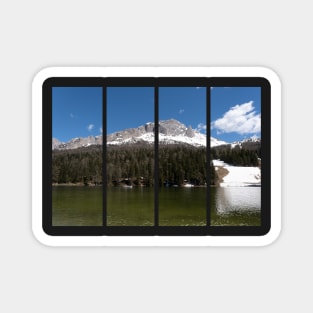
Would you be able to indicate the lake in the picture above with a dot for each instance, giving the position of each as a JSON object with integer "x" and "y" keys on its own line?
{"x": 82, "y": 206}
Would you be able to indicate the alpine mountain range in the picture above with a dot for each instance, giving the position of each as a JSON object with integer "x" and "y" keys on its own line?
{"x": 170, "y": 132}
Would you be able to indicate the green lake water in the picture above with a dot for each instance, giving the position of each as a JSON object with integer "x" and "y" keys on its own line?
{"x": 229, "y": 206}
{"x": 76, "y": 206}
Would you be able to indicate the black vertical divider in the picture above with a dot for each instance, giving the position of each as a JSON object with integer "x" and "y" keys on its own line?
{"x": 156, "y": 156}
{"x": 47, "y": 157}
{"x": 104, "y": 156}
{"x": 208, "y": 155}
{"x": 266, "y": 155}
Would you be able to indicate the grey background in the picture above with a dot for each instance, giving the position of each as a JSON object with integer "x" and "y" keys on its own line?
{"x": 37, "y": 34}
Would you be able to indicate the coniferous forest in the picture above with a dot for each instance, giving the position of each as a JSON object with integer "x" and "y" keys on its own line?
{"x": 134, "y": 164}
{"x": 82, "y": 165}
{"x": 236, "y": 156}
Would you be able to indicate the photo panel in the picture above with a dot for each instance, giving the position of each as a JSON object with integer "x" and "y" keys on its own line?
{"x": 130, "y": 156}
{"x": 235, "y": 156}
{"x": 157, "y": 156}
{"x": 76, "y": 161}
{"x": 182, "y": 156}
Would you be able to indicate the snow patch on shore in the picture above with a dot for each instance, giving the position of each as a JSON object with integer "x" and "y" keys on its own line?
{"x": 239, "y": 176}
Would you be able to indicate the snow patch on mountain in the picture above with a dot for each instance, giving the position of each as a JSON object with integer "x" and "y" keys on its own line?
{"x": 215, "y": 142}
{"x": 248, "y": 142}
{"x": 170, "y": 132}
{"x": 77, "y": 142}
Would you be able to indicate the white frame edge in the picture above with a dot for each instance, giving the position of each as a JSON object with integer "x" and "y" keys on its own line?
{"x": 266, "y": 73}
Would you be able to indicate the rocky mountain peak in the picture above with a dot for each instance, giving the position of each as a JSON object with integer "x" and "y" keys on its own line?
{"x": 170, "y": 132}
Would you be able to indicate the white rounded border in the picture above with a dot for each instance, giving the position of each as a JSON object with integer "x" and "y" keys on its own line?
{"x": 270, "y": 237}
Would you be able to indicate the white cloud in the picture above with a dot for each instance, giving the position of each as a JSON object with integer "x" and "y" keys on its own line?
{"x": 241, "y": 119}
{"x": 181, "y": 111}
{"x": 72, "y": 115}
{"x": 100, "y": 129}
{"x": 90, "y": 127}
{"x": 201, "y": 128}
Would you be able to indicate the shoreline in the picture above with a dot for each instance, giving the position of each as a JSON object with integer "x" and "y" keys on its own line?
{"x": 202, "y": 186}
{"x": 74, "y": 185}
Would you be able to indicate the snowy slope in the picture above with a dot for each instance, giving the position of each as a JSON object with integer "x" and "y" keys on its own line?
{"x": 239, "y": 176}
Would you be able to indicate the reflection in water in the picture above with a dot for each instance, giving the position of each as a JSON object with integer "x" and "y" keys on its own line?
{"x": 230, "y": 199}
{"x": 182, "y": 206}
{"x": 130, "y": 206}
{"x": 230, "y": 206}
{"x": 236, "y": 206}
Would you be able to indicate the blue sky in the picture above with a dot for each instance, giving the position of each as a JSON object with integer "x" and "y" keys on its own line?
{"x": 235, "y": 113}
{"x": 76, "y": 112}
{"x": 185, "y": 104}
{"x": 129, "y": 107}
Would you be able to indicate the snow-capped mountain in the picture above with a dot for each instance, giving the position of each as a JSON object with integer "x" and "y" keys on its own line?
{"x": 170, "y": 132}
{"x": 248, "y": 143}
{"x": 215, "y": 142}
{"x": 76, "y": 142}
{"x": 56, "y": 143}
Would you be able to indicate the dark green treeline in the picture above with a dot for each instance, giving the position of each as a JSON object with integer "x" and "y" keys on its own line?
{"x": 237, "y": 156}
{"x": 134, "y": 164}
{"x": 82, "y": 165}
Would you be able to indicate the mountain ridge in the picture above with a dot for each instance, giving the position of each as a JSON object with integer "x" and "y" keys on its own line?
{"x": 170, "y": 132}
